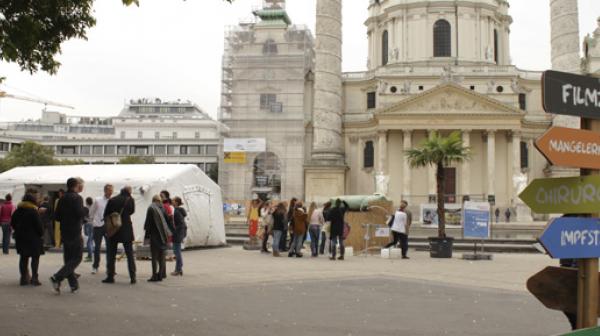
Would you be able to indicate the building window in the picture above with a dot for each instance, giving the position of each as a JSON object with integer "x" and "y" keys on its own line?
{"x": 524, "y": 155}
{"x": 384, "y": 48}
{"x": 97, "y": 150}
{"x": 270, "y": 47}
{"x": 523, "y": 101}
{"x": 121, "y": 150}
{"x": 140, "y": 134}
{"x": 442, "y": 41}
{"x": 122, "y": 134}
{"x": 368, "y": 155}
{"x": 211, "y": 150}
{"x": 156, "y": 135}
{"x": 193, "y": 150}
{"x": 86, "y": 150}
{"x": 267, "y": 100}
{"x": 174, "y": 135}
{"x": 197, "y": 135}
{"x": 172, "y": 150}
{"x": 65, "y": 150}
{"x": 139, "y": 150}
{"x": 109, "y": 150}
{"x": 183, "y": 150}
{"x": 496, "y": 46}
{"x": 371, "y": 100}
{"x": 160, "y": 150}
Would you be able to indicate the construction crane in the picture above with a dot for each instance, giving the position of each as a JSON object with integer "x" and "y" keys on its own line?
{"x": 4, "y": 94}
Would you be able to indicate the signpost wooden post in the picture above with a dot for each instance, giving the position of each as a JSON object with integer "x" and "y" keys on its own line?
{"x": 570, "y": 94}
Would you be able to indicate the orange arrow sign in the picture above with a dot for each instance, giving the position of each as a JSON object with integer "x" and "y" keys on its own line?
{"x": 569, "y": 147}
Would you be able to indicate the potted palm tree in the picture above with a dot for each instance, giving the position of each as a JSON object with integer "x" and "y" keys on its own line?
{"x": 440, "y": 152}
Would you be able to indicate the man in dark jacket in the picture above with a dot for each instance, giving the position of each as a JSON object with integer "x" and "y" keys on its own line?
{"x": 69, "y": 213}
{"x": 123, "y": 204}
{"x": 336, "y": 217}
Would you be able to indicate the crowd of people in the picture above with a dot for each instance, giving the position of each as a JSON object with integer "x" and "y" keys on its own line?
{"x": 290, "y": 224}
{"x": 34, "y": 224}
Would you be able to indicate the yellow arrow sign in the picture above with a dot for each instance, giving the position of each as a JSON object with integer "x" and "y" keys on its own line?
{"x": 576, "y": 195}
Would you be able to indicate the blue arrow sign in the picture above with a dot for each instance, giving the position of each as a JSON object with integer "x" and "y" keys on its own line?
{"x": 572, "y": 238}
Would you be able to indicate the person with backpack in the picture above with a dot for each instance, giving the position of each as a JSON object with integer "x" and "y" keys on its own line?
{"x": 336, "y": 217}
{"x": 6, "y": 211}
{"x": 120, "y": 208}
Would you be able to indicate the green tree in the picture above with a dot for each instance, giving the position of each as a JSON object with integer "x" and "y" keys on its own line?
{"x": 32, "y": 31}
{"x": 137, "y": 160}
{"x": 439, "y": 152}
{"x": 28, "y": 153}
{"x": 213, "y": 173}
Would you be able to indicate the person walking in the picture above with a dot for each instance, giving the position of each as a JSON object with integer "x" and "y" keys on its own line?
{"x": 124, "y": 205}
{"x": 6, "y": 211}
{"x": 279, "y": 223}
{"x": 398, "y": 226}
{"x": 298, "y": 228}
{"x": 97, "y": 216}
{"x": 57, "y": 235}
{"x": 29, "y": 238}
{"x": 497, "y": 214}
{"x": 157, "y": 230}
{"x": 69, "y": 212}
{"x": 336, "y": 217}
{"x": 88, "y": 229}
{"x": 316, "y": 225}
{"x": 326, "y": 229}
{"x": 179, "y": 234}
{"x": 266, "y": 218}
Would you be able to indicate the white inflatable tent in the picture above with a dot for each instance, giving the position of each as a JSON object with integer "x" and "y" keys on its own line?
{"x": 201, "y": 196}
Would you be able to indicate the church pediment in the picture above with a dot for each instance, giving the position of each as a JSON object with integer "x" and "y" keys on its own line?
{"x": 450, "y": 99}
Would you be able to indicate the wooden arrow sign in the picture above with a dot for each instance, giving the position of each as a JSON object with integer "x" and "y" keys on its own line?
{"x": 569, "y": 147}
{"x": 556, "y": 288}
{"x": 575, "y": 195}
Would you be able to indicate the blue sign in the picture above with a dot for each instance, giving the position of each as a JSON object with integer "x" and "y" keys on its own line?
{"x": 476, "y": 220}
{"x": 572, "y": 238}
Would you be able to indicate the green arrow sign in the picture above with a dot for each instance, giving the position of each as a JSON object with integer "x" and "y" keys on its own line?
{"x": 576, "y": 195}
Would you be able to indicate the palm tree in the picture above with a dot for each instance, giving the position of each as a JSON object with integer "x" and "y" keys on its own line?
{"x": 440, "y": 152}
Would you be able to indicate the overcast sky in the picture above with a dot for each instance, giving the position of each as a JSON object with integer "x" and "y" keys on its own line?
{"x": 172, "y": 49}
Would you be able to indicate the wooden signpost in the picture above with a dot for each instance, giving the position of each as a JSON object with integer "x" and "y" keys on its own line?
{"x": 570, "y": 94}
{"x": 567, "y": 147}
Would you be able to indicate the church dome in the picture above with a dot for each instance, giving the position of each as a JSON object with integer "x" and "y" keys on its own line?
{"x": 433, "y": 32}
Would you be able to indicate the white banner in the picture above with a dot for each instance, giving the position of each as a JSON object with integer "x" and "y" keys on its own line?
{"x": 244, "y": 145}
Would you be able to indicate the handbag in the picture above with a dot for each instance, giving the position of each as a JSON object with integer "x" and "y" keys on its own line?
{"x": 347, "y": 229}
{"x": 113, "y": 221}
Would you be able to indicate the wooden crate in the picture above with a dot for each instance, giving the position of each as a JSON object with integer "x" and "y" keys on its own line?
{"x": 377, "y": 214}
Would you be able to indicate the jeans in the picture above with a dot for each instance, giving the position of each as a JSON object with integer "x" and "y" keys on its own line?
{"x": 296, "y": 245}
{"x": 334, "y": 240}
{"x": 89, "y": 244}
{"x": 283, "y": 241}
{"x": 99, "y": 233}
{"x": 265, "y": 240}
{"x": 395, "y": 241}
{"x": 23, "y": 267}
{"x": 72, "y": 255}
{"x": 178, "y": 259}
{"x": 159, "y": 263}
{"x": 6, "y": 231}
{"x": 112, "y": 258}
{"x": 323, "y": 242}
{"x": 276, "y": 240}
{"x": 314, "y": 231}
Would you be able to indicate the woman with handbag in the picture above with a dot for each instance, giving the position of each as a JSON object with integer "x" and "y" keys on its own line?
{"x": 158, "y": 229}
{"x": 29, "y": 232}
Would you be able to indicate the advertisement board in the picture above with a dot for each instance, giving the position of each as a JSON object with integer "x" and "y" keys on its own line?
{"x": 476, "y": 217}
{"x": 244, "y": 145}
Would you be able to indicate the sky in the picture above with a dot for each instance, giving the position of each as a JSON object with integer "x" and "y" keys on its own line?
{"x": 172, "y": 50}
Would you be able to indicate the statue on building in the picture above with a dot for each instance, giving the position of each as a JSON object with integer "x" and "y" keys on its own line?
{"x": 382, "y": 183}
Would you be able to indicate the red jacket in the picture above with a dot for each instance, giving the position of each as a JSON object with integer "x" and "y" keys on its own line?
{"x": 6, "y": 212}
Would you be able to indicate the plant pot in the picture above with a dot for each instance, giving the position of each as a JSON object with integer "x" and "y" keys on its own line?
{"x": 440, "y": 247}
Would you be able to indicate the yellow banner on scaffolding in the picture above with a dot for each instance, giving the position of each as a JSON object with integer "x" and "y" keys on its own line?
{"x": 235, "y": 157}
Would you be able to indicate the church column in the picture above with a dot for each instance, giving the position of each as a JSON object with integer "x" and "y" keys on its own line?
{"x": 491, "y": 162}
{"x": 382, "y": 153}
{"x": 466, "y": 166}
{"x": 431, "y": 172}
{"x": 406, "y": 145}
{"x": 516, "y": 148}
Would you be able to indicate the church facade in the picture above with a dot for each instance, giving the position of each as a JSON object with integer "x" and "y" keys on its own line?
{"x": 432, "y": 66}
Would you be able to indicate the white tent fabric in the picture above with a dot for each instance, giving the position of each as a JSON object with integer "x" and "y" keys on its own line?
{"x": 201, "y": 196}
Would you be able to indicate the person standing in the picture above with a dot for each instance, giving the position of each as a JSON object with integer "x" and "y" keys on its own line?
{"x": 97, "y": 216}
{"x": 252, "y": 219}
{"x": 157, "y": 230}
{"x": 179, "y": 234}
{"x": 298, "y": 228}
{"x": 29, "y": 237}
{"x": 497, "y": 214}
{"x": 316, "y": 225}
{"x": 336, "y": 216}
{"x": 326, "y": 229}
{"x": 88, "y": 229}
{"x": 290, "y": 223}
{"x": 279, "y": 222}
{"x": 45, "y": 211}
{"x": 124, "y": 205}
{"x": 6, "y": 211}
{"x": 507, "y": 214}
{"x": 57, "y": 242}
{"x": 266, "y": 218}
{"x": 69, "y": 212}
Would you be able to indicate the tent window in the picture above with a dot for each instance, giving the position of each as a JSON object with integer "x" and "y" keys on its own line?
{"x": 384, "y": 48}
{"x": 442, "y": 42}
